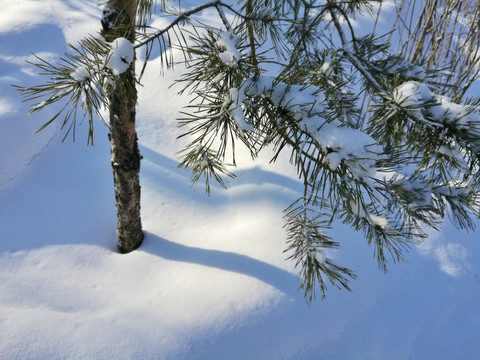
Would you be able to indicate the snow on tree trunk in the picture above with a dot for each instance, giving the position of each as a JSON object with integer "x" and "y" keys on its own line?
{"x": 118, "y": 22}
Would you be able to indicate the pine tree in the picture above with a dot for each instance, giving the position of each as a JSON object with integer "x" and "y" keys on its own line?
{"x": 375, "y": 141}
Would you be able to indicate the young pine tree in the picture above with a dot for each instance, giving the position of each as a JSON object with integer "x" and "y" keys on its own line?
{"x": 374, "y": 140}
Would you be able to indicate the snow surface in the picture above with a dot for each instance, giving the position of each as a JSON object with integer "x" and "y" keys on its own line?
{"x": 210, "y": 281}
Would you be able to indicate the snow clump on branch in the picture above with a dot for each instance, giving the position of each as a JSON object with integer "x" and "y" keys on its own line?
{"x": 80, "y": 74}
{"x": 121, "y": 56}
{"x": 307, "y": 105}
{"x": 416, "y": 95}
{"x": 406, "y": 69}
{"x": 228, "y": 52}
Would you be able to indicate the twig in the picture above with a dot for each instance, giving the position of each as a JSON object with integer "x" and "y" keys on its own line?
{"x": 179, "y": 19}
{"x": 354, "y": 60}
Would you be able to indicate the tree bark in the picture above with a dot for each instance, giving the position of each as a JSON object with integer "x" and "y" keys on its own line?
{"x": 123, "y": 136}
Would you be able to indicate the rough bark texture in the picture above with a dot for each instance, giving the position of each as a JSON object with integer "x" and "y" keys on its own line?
{"x": 123, "y": 136}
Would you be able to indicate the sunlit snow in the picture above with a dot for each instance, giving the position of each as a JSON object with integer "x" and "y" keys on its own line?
{"x": 80, "y": 74}
{"x": 121, "y": 56}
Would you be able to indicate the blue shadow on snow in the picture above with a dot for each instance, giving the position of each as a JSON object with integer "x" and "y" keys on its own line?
{"x": 280, "y": 279}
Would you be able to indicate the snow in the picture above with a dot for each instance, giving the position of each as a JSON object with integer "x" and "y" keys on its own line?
{"x": 347, "y": 144}
{"x": 326, "y": 67}
{"x": 80, "y": 74}
{"x": 211, "y": 280}
{"x": 406, "y": 69}
{"x": 307, "y": 105}
{"x": 6, "y": 106}
{"x": 412, "y": 93}
{"x": 417, "y": 96}
{"x": 121, "y": 56}
{"x": 457, "y": 156}
{"x": 449, "y": 112}
{"x": 378, "y": 221}
{"x": 238, "y": 97}
{"x": 357, "y": 209}
{"x": 320, "y": 257}
{"x": 228, "y": 52}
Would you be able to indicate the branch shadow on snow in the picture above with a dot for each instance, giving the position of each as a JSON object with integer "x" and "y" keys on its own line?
{"x": 280, "y": 279}
{"x": 252, "y": 176}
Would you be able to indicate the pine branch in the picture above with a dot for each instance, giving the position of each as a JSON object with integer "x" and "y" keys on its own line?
{"x": 79, "y": 79}
{"x": 184, "y": 16}
{"x": 356, "y": 62}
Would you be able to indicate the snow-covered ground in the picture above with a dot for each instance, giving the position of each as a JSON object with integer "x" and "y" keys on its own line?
{"x": 211, "y": 280}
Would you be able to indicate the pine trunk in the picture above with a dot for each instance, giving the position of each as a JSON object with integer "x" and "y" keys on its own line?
{"x": 123, "y": 135}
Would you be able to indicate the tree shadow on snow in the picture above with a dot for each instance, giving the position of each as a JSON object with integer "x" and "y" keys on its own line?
{"x": 280, "y": 279}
